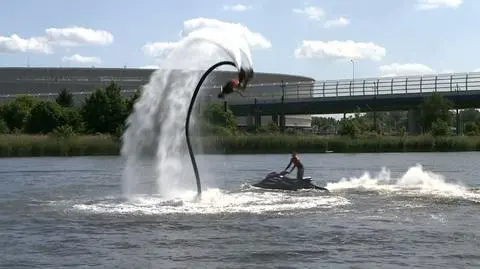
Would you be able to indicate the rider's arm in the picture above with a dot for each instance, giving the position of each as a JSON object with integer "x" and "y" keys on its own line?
{"x": 290, "y": 163}
{"x": 293, "y": 167}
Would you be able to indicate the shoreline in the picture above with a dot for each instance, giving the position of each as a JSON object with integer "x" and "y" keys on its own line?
{"x": 22, "y": 145}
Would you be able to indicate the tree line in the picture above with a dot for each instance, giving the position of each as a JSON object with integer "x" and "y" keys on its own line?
{"x": 435, "y": 116}
{"x": 105, "y": 111}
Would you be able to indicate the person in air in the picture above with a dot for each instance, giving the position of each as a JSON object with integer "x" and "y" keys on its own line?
{"x": 295, "y": 160}
{"x": 236, "y": 85}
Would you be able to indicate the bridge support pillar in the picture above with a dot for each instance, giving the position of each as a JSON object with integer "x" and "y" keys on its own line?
{"x": 249, "y": 121}
{"x": 258, "y": 119}
{"x": 282, "y": 123}
{"x": 275, "y": 119}
{"x": 412, "y": 126}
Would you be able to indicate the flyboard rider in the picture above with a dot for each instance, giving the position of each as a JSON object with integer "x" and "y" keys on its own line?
{"x": 236, "y": 85}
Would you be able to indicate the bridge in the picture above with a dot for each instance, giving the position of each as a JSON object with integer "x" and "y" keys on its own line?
{"x": 362, "y": 95}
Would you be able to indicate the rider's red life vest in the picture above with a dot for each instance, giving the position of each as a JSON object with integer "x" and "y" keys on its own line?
{"x": 235, "y": 83}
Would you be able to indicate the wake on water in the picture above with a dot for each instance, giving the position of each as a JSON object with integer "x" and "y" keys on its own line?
{"x": 415, "y": 182}
{"x": 164, "y": 184}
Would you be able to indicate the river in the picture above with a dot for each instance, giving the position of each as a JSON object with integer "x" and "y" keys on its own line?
{"x": 69, "y": 213}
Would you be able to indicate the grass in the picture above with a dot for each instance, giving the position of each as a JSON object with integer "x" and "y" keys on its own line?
{"x": 90, "y": 145}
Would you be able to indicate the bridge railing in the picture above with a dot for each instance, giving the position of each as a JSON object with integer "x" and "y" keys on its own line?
{"x": 298, "y": 91}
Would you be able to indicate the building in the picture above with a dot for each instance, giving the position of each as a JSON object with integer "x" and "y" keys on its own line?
{"x": 46, "y": 82}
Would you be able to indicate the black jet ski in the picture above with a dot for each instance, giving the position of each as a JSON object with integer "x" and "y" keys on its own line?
{"x": 280, "y": 181}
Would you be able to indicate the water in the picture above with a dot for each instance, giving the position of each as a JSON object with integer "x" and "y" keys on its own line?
{"x": 70, "y": 213}
{"x": 157, "y": 124}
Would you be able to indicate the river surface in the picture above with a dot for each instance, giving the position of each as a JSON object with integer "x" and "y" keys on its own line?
{"x": 70, "y": 213}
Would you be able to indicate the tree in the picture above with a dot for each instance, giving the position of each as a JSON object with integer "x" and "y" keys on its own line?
{"x": 440, "y": 128}
{"x": 65, "y": 98}
{"x": 105, "y": 110}
{"x": 471, "y": 128}
{"x": 44, "y": 117}
{"x": 73, "y": 118}
{"x": 469, "y": 115}
{"x": 433, "y": 110}
{"x": 16, "y": 112}
{"x": 215, "y": 114}
{"x": 131, "y": 101}
{"x": 349, "y": 127}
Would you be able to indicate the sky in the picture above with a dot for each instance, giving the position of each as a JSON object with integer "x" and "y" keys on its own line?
{"x": 317, "y": 39}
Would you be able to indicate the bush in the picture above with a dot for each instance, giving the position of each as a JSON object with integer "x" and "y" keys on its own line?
{"x": 44, "y": 117}
{"x": 16, "y": 112}
{"x": 104, "y": 110}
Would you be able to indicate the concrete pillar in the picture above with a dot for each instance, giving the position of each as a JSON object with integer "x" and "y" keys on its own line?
{"x": 249, "y": 120}
{"x": 282, "y": 123}
{"x": 412, "y": 122}
{"x": 258, "y": 119}
{"x": 275, "y": 119}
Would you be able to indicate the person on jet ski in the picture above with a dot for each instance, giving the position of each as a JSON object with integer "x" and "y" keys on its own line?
{"x": 295, "y": 160}
{"x": 237, "y": 85}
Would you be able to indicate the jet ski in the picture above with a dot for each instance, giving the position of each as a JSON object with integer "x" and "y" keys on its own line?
{"x": 280, "y": 181}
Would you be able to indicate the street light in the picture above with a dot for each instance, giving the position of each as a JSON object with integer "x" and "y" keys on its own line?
{"x": 353, "y": 68}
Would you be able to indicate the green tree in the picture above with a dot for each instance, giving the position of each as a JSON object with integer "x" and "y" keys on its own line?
{"x": 16, "y": 112}
{"x": 132, "y": 99}
{"x": 434, "y": 109}
{"x": 64, "y": 98}
{"x": 440, "y": 128}
{"x": 73, "y": 118}
{"x": 469, "y": 115}
{"x": 105, "y": 110}
{"x": 3, "y": 127}
{"x": 349, "y": 127}
{"x": 215, "y": 114}
{"x": 45, "y": 116}
{"x": 471, "y": 128}
{"x": 325, "y": 124}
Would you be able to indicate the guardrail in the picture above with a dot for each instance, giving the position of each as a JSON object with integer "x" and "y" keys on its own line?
{"x": 292, "y": 91}
{"x": 366, "y": 87}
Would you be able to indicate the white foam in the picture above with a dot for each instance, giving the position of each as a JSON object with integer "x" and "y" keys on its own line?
{"x": 415, "y": 181}
{"x": 158, "y": 121}
{"x": 215, "y": 201}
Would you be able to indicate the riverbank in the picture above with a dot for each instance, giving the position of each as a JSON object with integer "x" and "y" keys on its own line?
{"x": 97, "y": 145}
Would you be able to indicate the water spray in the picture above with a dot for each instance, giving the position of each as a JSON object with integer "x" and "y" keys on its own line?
{"x": 243, "y": 81}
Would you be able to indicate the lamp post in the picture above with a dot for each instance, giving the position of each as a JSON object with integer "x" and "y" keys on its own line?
{"x": 353, "y": 69}
{"x": 187, "y": 123}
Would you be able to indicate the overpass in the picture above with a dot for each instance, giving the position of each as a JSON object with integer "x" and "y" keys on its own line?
{"x": 363, "y": 95}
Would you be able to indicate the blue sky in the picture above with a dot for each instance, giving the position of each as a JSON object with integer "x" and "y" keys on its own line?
{"x": 399, "y": 37}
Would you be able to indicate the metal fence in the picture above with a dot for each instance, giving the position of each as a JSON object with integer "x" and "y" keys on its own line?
{"x": 366, "y": 87}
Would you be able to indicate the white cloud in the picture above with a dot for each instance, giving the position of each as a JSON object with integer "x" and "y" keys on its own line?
{"x": 313, "y": 13}
{"x": 158, "y": 49}
{"x": 15, "y": 43}
{"x": 254, "y": 39}
{"x": 82, "y": 59}
{"x": 340, "y": 50}
{"x": 161, "y": 49}
{"x": 340, "y": 22}
{"x": 433, "y": 4}
{"x": 76, "y": 36}
{"x": 237, "y": 7}
{"x": 69, "y": 37}
{"x": 409, "y": 69}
